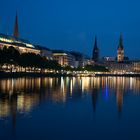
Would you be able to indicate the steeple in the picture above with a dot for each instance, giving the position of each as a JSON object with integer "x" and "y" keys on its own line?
{"x": 121, "y": 42}
{"x": 95, "y": 44}
{"x": 16, "y": 33}
{"x": 120, "y": 50}
{"x": 95, "y": 55}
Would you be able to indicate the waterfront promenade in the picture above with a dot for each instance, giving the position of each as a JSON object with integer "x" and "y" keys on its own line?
{"x": 65, "y": 74}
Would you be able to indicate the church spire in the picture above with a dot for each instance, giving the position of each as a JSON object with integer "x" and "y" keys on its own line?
{"x": 121, "y": 42}
{"x": 95, "y": 55}
{"x": 95, "y": 44}
{"x": 16, "y": 33}
{"x": 120, "y": 50}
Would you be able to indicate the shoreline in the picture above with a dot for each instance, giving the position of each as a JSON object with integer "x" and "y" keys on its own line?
{"x": 23, "y": 74}
{"x": 29, "y": 74}
{"x": 117, "y": 75}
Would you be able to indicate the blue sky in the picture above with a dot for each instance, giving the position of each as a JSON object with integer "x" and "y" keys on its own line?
{"x": 73, "y": 24}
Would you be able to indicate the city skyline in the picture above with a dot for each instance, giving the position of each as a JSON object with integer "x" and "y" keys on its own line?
{"x": 50, "y": 26}
{"x": 69, "y": 69}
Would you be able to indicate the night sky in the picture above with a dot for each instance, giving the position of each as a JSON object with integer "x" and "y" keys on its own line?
{"x": 73, "y": 24}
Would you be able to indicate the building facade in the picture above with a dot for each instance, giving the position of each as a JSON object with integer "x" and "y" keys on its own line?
{"x": 64, "y": 58}
{"x": 120, "y": 50}
{"x": 119, "y": 68}
{"x": 108, "y": 59}
{"x": 79, "y": 59}
{"x": 23, "y": 46}
{"x": 136, "y": 66}
{"x": 45, "y": 52}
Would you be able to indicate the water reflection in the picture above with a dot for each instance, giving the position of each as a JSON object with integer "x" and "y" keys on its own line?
{"x": 23, "y": 94}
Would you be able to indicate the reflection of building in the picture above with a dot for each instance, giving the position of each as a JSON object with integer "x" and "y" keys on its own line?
{"x": 94, "y": 98}
{"x": 119, "y": 100}
{"x": 120, "y": 51}
{"x": 23, "y": 94}
{"x": 120, "y": 87}
{"x": 64, "y": 58}
{"x": 4, "y": 108}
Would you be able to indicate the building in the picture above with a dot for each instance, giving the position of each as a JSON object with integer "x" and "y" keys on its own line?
{"x": 95, "y": 54}
{"x": 16, "y": 32}
{"x": 120, "y": 50}
{"x": 64, "y": 58}
{"x": 45, "y": 52}
{"x": 23, "y": 46}
{"x": 119, "y": 68}
{"x": 136, "y": 66}
{"x": 108, "y": 59}
{"x": 79, "y": 59}
{"x": 87, "y": 61}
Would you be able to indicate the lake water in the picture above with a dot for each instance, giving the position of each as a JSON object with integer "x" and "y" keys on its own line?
{"x": 86, "y": 108}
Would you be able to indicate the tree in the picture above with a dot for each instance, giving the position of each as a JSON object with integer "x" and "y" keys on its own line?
{"x": 10, "y": 55}
{"x": 1, "y": 58}
{"x": 96, "y": 68}
{"x": 32, "y": 61}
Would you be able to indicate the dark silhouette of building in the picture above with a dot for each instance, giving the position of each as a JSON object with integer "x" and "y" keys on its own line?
{"x": 95, "y": 55}
{"x": 120, "y": 50}
{"x": 16, "y": 32}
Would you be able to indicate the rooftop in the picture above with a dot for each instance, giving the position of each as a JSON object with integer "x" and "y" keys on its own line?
{"x": 15, "y": 41}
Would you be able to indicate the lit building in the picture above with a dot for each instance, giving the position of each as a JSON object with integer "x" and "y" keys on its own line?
{"x": 95, "y": 55}
{"x": 64, "y": 58}
{"x": 120, "y": 50}
{"x": 87, "y": 61}
{"x": 136, "y": 66}
{"x": 23, "y": 46}
{"x": 119, "y": 68}
{"x": 79, "y": 59}
{"x": 45, "y": 52}
{"x": 108, "y": 59}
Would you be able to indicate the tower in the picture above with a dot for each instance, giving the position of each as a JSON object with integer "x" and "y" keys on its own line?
{"x": 16, "y": 33}
{"x": 95, "y": 54}
{"x": 120, "y": 50}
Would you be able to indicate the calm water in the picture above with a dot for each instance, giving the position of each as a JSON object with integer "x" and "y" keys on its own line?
{"x": 70, "y": 108}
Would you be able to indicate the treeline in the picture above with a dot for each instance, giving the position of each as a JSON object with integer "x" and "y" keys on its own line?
{"x": 10, "y": 57}
{"x": 11, "y": 60}
{"x": 91, "y": 68}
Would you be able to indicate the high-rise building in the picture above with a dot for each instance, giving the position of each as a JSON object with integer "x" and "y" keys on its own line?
{"x": 16, "y": 32}
{"x": 120, "y": 50}
{"x": 95, "y": 54}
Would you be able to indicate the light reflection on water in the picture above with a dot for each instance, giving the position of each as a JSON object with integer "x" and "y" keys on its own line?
{"x": 22, "y": 95}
